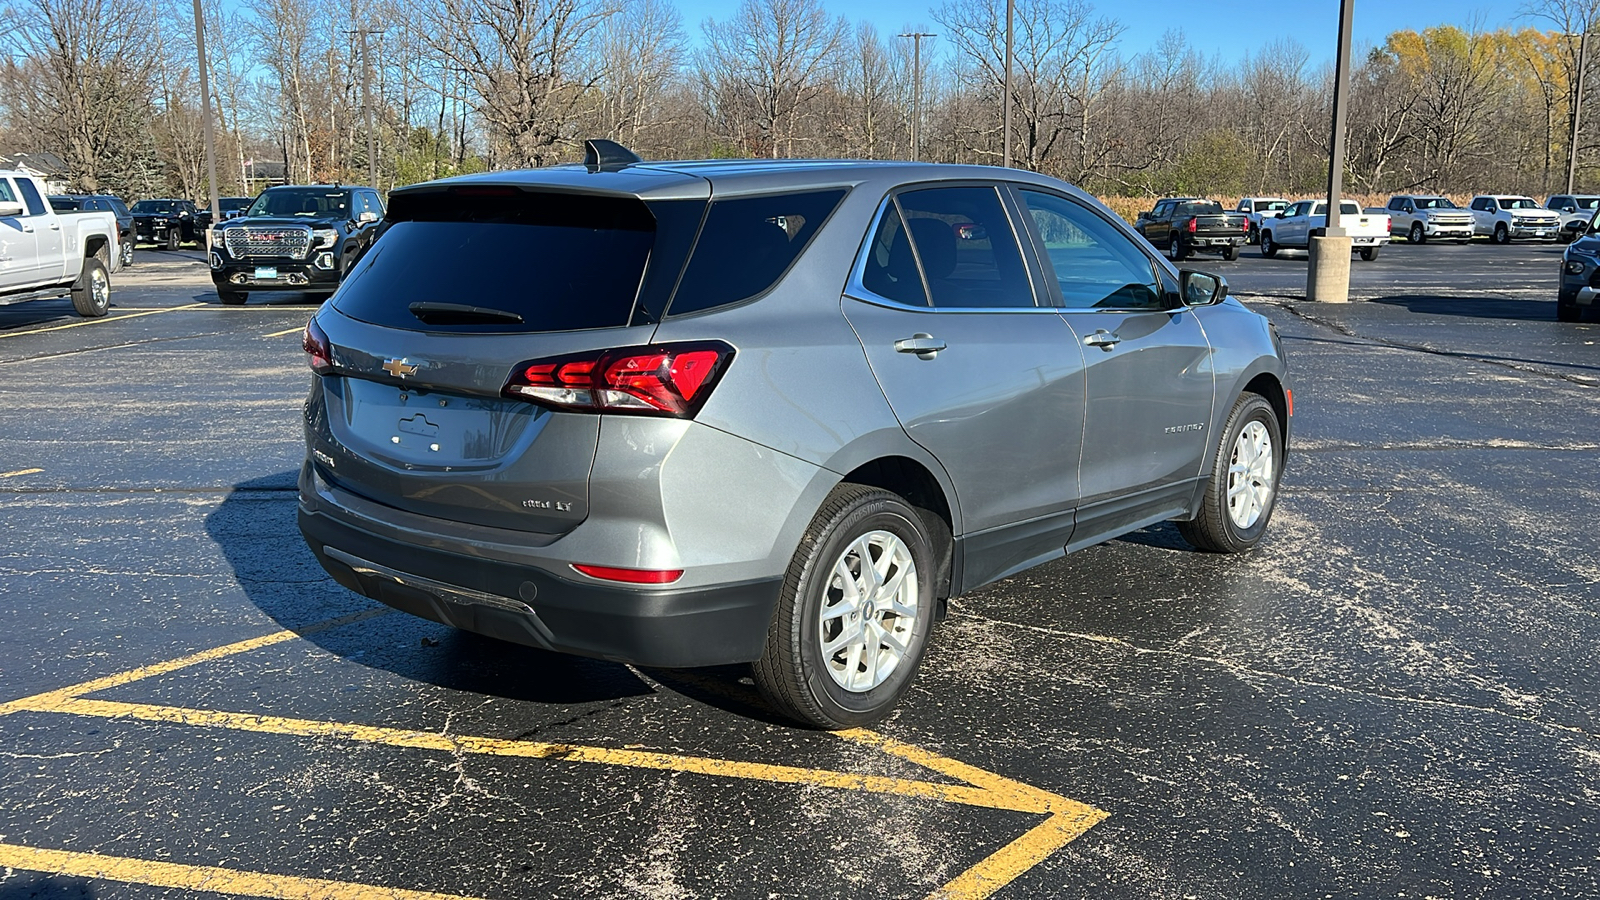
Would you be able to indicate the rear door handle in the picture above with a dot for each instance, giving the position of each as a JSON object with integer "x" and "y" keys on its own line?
{"x": 922, "y": 344}
{"x": 55, "y": 226}
{"x": 1103, "y": 339}
{"x": 27, "y": 229}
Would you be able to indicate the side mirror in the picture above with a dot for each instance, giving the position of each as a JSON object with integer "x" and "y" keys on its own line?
{"x": 1408, "y": 208}
{"x": 1201, "y": 288}
{"x": 8, "y": 210}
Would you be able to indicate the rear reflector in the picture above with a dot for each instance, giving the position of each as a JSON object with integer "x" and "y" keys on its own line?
{"x": 666, "y": 380}
{"x": 630, "y": 576}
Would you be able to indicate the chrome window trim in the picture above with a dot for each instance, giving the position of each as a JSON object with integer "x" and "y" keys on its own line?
{"x": 855, "y": 288}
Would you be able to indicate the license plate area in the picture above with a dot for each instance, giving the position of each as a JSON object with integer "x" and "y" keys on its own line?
{"x": 266, "y": 273}
{"x": 417, "y": 428}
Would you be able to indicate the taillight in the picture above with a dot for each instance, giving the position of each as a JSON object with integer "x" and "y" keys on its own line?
{"x": 1245, "y": 225}
{"x": 1193, "y": 223}
{"x": 319, "y": 353}
{"x": 668, "y": 380}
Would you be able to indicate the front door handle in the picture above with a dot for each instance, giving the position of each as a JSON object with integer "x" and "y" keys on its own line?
{"x": 924, "y": 345}
{"x": 27, "y": 229}
{"x": 55, "y": 226}
{"x": 1103, "y": 339}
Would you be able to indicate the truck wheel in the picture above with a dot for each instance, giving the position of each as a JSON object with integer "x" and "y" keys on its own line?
{"x": 1175, "y": 249}
{"x": 1230, "y": 252}
{"x": 232, "y": 298}
{"x": 1253, "y": 236}
{"x": 173, "y": 238}
{"x": 1243, "y": 489}
{"x": 127, "y": 253}
{"x": 1567, "y": 312}
{"x": 855, "y": 612}
{"x": 1501, "y": 235}
{"x": 1268, "y": 248}
{"x": 91, "y": 293}
{"x": 1368, "y": 254}
{"x": 1418, "y": 236}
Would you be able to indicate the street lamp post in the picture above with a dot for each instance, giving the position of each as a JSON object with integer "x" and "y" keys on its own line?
{"x": 205, "y": 111}
{"x": 1328, "y": 271}
{"x": 1577, "y": 107}
{"x": 916, "y": 89}
{"x": 1011, "y": 9}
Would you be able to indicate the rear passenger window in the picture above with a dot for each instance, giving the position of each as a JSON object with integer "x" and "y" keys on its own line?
{"x": 30, "y": 194}
{"x": 890, "y": 269}
{"x": 966, "y": 247}
{"x": 747, "y": 244}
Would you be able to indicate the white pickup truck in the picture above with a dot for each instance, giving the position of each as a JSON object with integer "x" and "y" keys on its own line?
{"x": 1257, "y": 208}
{"x": 1424, "y": 217}
{"x": 46, "y": 255}
{"x": 1292, "y": 230}
{"x": 1505, "y": 216}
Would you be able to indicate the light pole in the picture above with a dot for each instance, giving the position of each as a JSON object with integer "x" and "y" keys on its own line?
{"x": 916, "y": 89}
{"x": 1577, "y": 107}
{"x": 205, "y": 111}
{"x": 1328, "y": 269}
{"x": 366, "y": 104}
{"x": 1011, "y": 9}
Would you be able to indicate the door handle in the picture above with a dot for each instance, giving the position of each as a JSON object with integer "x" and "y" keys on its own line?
{"x": 55, "y": 226}
{"x": 924, "y": 345}
{"x": 27, "y": 229}
{"x": 1103, "y": 339}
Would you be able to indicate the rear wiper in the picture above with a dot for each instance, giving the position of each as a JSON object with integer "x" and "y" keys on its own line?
{"x": 459, "y": 313}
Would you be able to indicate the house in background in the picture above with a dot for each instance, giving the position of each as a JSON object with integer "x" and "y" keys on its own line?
{"x": 47, "y": 167}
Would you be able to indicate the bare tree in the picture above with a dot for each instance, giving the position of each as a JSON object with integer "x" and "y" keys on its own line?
{"x": 643, "y": 49}
{"x": 766, "y": 65}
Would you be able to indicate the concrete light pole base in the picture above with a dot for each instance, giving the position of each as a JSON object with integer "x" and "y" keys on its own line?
{"x": 1328, "y": 276}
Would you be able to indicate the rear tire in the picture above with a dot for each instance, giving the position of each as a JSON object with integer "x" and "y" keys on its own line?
{"x": 91, "y": 293}
{"x": 1230, "y": 253}
{"x": 1368, "y": 254}
{"x": 1243, "y": 489}
{"x": 1175, "y": 249}
{"x": 1418, "y": 236}
{"x": 1268, "y": 248}
{"x": 233, "y": 298}
{"x": 840, "y": 651}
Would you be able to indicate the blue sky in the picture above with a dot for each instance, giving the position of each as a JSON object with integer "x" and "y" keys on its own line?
{"x": 1224, "y": 30}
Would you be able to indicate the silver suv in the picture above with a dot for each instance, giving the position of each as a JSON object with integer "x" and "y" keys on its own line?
{"x": 696, "y": 413}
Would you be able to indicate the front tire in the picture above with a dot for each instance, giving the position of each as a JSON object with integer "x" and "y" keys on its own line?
{"x": 1568, "y": 312}
{"x": 173, "y": 239}
{"x": 127, "y": 254}
{"x": 91, "y": 293}
{"x": 232, "y": 298}
{"x": 1243, "y": 489}
{"x": 1418, "y": 236}
{"x": 1501, "y": 235}
{"x": 854, "y": 616}
{"x": 1253, "y": 236}
{"x": 1268, "y": 248}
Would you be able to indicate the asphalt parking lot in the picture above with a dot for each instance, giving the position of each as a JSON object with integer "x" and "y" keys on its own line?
{"x": 1395, "y": 696}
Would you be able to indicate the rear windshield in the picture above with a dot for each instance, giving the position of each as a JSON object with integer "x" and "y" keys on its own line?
{"x": 560, "y": 262}
{"x": 1200, "y": 209}
{"x": 155, "y": 206}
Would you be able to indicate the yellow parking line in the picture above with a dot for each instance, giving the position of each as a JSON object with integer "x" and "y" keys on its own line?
{"x": 20, "y": 472}
{"x": 1067, "y": 819}
{"x": 295, "y": 330}
{"x": 103, "y": 319}
{"x": 47, "y": 701}
{"x": 210, "y": 879}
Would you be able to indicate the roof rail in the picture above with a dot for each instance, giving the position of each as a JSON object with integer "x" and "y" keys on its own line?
{"x": 601, "y": 155}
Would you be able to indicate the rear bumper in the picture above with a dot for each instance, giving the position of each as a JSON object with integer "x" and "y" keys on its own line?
{"x": 525, "y": 604}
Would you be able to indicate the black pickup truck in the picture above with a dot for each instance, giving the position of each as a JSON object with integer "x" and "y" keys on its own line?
{"x": 294, "y": 238}
{"x": 1186, "y": 225}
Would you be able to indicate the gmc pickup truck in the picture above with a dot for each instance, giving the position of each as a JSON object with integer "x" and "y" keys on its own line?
{"x": 1186, "y": 225}
{"x": 1293, "y": 229}
{"x": 1257, "y": 208}
{"x": 1425, "y": 217}
{"x": 45, "y": 255}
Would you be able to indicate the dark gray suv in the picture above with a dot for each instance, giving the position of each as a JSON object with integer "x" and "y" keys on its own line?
{"x": 696, "y": 413}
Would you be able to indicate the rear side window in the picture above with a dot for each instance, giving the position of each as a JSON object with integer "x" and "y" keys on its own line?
{"x": 36, "y": 206}
{"x": 966, "y": 247}
{"x": 747, "y": 244}
{"x": 559, "y": 262}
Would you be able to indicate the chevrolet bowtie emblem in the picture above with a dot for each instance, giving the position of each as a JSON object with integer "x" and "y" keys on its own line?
{"x": 398, "y": 368}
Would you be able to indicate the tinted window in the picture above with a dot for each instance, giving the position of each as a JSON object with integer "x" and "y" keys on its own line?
{"x": 1199, "y": 209}
{"x": 65, "y": 204}
{"x": 1095, "y": 264}
{"x": 747, "y": 244}
{"x": 966, "y": 247}
{"x": 890, "y": 269}
{"x": 581, "y": 260}
{"x": 36, "y": 205}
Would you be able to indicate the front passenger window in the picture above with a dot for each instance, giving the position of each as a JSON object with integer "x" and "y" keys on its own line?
{"x": 1096, "y": 266}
